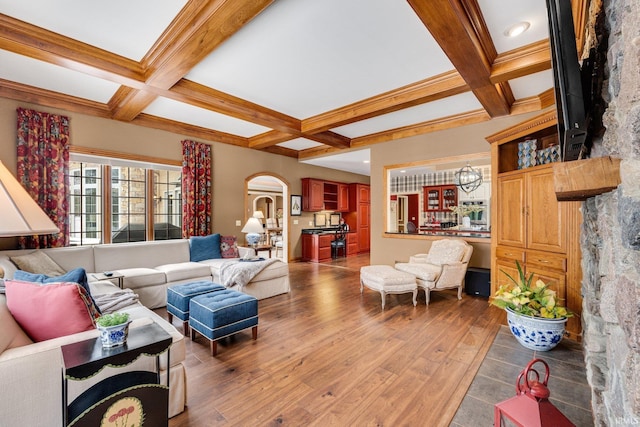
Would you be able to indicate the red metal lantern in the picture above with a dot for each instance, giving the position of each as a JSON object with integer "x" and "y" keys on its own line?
{"x": 531, "y": 407}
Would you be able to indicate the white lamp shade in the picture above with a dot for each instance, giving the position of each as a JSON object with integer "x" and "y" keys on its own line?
{"x": 253, "y": 225}
{"x": 258, "y": 214}
{"x": 20, "y": 215}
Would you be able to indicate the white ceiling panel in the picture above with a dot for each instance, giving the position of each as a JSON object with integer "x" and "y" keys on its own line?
{"x": 299, "y": 144}
{"x": 304, "y": 57}
{"x": 178, "y": 111}
{"x": 126, "y": 27}
{"x": 350, "y": 161}
{"x": 531, "y": 85}
{"x": 43, "y": 75}
{"x": 410, "y": 116}
{"x": 498, "y": 20}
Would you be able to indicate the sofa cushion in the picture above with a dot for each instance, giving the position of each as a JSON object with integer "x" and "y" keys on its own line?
{"x": 38, "y": 262}
{"x": 51, "y": 311}
{"x": 184, "y": 271}
{"x": 12, "y": 334}
{"x": 272, "y": 271}
{"x": 204, "y": 247}
{"x": 426, "y": 272}
{"x": 142, "y": 277}
{"x": 229, "y": 247}
{"x": 77, "y": 275}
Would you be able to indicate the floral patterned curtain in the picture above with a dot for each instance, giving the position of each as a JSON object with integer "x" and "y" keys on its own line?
{"x": 196, "y": 189}
{"x": 43, "y": 164}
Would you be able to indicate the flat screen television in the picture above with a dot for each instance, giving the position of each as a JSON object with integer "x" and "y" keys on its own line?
{"x": 572, "y": 118}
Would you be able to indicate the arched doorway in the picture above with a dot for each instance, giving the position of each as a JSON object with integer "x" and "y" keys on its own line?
{"x": 269, "y": 193}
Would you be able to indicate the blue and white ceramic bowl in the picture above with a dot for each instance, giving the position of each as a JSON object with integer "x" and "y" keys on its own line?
{"x": 536, "y": 333}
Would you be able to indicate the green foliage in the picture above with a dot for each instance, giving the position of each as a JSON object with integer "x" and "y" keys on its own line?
{"x": 112, "y": 319}
{"x": 523, "y": 298}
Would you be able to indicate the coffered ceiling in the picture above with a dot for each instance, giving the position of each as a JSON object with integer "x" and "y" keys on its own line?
{"x": 319, "y": 81}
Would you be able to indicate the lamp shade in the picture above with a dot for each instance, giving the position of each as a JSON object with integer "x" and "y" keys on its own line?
{"x": 253, "y": 225}
{"x": 20, "y": 215}
{"x": 258, "y": 214}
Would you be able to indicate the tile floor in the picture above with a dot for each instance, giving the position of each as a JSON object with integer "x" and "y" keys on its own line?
{"x": 496, "y": 379}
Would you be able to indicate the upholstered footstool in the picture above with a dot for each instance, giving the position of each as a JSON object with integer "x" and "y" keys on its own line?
{"x": 222, "y": 313}
{"x": 387, "y": 280}
{"x": 179, "y": 296}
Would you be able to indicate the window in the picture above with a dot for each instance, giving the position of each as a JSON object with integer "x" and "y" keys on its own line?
{"x": 85, "y": 213}
{"x": 127, "y": 194}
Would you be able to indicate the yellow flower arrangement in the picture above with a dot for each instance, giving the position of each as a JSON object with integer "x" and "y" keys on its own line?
{"x": 523, "y": 298}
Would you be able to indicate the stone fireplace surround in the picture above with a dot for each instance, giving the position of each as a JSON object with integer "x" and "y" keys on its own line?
{"x": 610, "y": 240}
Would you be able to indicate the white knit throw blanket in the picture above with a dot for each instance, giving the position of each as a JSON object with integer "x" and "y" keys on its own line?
{"x": 108, "y": 303}
{"x": 239, "y": 273}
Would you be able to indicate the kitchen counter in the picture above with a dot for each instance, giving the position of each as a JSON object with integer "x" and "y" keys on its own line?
{"x": 322, "y": 231}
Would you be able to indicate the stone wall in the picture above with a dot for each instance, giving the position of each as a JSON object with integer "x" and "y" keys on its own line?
{"x": 611, "y": 235}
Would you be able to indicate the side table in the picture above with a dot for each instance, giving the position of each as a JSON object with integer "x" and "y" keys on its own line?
{"x": 137, "y": 394}
{"x": 114, "y": 276}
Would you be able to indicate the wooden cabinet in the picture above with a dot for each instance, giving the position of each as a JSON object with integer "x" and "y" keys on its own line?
{"x": 439, "y": 198}
{"x": 319, "y": 195}
{"x": 343, "y": 197}
{"x": 530, "y": 225}
{"x": 312, "y": 194}
{"x": 317, "y": 247}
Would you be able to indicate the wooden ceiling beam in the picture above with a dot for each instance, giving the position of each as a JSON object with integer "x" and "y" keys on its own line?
{"x": 25, "y": 39}
{"x": 34, "y": 95}
{"x": 521, "y": 62}
{"x": 463, "y": 37}
{"x": 431, "y": 89}
{"x": 198, "y": 30}
{"x": 189, "y": 130}
{"x": 271, "y": 138}
{"x": 471, "y": 117}
{"x": 204, "y": 97}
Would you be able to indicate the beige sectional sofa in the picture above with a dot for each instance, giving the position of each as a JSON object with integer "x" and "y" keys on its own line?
{"x": 31, "y": 375}
{"x": 33, "y": 371}
{"x": 149, "y": 268}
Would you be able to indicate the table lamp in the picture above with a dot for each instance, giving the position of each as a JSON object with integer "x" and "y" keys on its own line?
{"x": 254, "y": 231}
{"x": 20, "y": 215}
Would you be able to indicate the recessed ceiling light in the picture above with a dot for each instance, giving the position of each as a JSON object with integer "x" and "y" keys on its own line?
{"x": 403, "y": 171}
{"x": 517, "y": 29}
{"x": 365, "y": 161}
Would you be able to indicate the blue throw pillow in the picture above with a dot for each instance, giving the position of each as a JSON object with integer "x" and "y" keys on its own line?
{"x": 204, "y": 247}
{"x": 77, "y": 275}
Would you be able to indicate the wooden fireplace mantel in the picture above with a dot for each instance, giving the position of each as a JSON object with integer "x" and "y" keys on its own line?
{"x": 580, "y": 179}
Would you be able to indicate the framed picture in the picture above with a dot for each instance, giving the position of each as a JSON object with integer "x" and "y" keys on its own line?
{"x": 296, "y": 205}
{"x": 319, "y": 220}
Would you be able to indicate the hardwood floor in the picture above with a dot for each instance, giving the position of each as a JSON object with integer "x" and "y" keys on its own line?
{"x": 328, "y": 356}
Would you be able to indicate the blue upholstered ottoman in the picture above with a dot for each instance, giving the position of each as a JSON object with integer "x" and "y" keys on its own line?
{"x": 222, "y": 313}
{"x": 178, "y": 297}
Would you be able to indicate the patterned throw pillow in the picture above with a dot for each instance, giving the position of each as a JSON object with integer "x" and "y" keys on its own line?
{"x": 52, "y": 311}
{"x": 229, "y": 247}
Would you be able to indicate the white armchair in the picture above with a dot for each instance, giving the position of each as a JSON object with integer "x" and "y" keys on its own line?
{"x": 444, "y": 267}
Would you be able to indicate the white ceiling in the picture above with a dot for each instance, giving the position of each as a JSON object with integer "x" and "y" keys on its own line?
{"x": 300, "y": 58}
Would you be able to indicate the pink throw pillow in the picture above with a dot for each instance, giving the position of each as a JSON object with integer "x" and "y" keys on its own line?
{"x": 50, "y": 311}
{"x": 229, "y": 247}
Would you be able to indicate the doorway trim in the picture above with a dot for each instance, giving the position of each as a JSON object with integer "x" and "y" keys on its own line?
{"x": 286, "y": 217}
